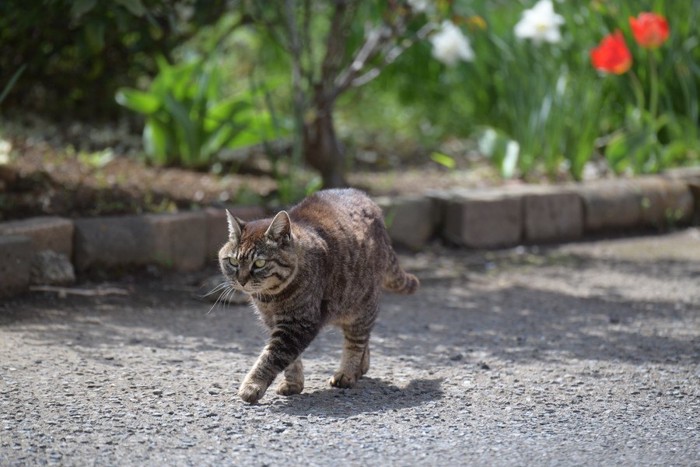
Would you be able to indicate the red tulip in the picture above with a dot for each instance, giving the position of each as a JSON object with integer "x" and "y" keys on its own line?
{"x": 650, "y": 30}
{"x": 612, "y": 55}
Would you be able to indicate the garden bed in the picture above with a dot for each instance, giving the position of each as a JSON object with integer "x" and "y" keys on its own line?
{"x": 45, "y": 179}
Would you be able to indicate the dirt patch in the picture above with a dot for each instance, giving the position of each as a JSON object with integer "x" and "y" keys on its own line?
{"x": 41, "y": 180}
{"x": 47, "y": 176}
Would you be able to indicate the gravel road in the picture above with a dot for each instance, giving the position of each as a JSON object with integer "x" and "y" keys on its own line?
{"x": 577, "y": 354}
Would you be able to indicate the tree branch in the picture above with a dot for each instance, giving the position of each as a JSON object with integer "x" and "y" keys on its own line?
{"x": 374, "y": 42}
{"x": 336, "y": 42}
{"x": 390, "y": 52}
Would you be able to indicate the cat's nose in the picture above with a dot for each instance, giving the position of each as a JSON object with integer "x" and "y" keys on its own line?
{"x": 243, "y": 279}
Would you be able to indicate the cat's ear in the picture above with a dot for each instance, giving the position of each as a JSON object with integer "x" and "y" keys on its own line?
{"x": 280, "y": 229}
{"x": 235, "y": 226}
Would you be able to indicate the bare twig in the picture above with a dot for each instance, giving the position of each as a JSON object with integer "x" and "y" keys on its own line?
{"x": 375, "y": 40}
{"x": 382, "y": 42}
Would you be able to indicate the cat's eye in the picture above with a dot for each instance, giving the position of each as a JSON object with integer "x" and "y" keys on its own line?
{"x": 259, "y": 263}
{"x": 233, "y": 261}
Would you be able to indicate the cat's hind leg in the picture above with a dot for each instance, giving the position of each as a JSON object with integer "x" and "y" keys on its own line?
{"x": 293, "y": 382}
{"x": 354, "y": 361}
{"x": 364, "y": 364}
{"x": 355, "y": 358}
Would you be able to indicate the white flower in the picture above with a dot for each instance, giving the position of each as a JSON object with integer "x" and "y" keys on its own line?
{"x": 5, "y": 148}
{"x": 540, "y": 23}
{"x": 420, "y": 6}
{"x": 450, "y": 45}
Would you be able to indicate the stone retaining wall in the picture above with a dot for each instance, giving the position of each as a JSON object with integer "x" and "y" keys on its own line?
{"x": 481, "y": 219}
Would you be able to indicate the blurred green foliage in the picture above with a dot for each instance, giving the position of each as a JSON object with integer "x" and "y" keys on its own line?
{"x": 533, "y": 109}
{"x": 78, "y": 52}
{"x": 547, "y": 98}
{"x": 10, "y": 84}
{"x": 188, "y": 121}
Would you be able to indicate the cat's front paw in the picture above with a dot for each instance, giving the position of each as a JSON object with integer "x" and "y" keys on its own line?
{"x": 341, "y": 380}
{"x": 251, "y": 392}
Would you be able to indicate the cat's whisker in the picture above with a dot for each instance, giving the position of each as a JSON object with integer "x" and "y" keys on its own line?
{"x": 219, "y": 287}
{"x": 215, "y": 303}
{"x": 222, "y": 299}
{"x": 229, "y": 296}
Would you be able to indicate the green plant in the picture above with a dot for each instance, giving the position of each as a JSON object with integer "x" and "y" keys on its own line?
{"x": 188, "y": 121}
{"x": 10, "y": 84}
{"x": 78, "y": 52}
{"x": 654, "y": 134}
{"x": 545, "y": 99}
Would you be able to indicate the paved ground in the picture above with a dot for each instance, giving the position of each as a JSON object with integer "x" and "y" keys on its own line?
{"x": 579, "y": 354}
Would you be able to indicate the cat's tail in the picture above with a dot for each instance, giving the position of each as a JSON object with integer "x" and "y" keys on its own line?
{"x": 397, "y": 280}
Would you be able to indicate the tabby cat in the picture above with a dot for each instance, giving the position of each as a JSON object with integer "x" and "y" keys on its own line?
{"x": 324, "y": 262}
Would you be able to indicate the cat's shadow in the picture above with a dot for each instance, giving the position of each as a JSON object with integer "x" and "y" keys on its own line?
{"x": 369, "y": 395}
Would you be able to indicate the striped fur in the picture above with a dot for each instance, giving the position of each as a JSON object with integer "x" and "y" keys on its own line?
{"x": 324, "y": 262}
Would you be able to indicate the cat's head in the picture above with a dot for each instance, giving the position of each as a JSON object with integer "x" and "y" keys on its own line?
{"x": 259, "y": 256}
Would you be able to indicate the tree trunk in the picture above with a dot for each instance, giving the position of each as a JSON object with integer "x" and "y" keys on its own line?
{"x": 322, "y": 149}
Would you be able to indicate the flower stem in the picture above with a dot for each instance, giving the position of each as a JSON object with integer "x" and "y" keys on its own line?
{"x": 654, "y": 84}
{"x": 638, "y": 90}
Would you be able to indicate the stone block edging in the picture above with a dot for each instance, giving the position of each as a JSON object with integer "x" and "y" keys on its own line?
{"x": 475, "y": 218}
{"x": 531, "y": 214}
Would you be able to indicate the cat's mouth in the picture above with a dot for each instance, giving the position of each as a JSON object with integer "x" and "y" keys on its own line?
{"x": 247, "y": 288}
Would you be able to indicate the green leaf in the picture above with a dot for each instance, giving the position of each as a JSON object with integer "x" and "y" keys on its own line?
{"x": 673, "y": 154}
{"x": 182, "y": 80}
{"x": 221, "y": 138}
{"x": 224, "y": 123}
{"x": 135, "y": 7}
{"x": 10, "y": 84}
{"x": 155, "y": 141}
{"x": 616, "y": 153}
{"x": 180, "y": 114}
{"x": 163, "y": 65}
{"x": 259, "y": 127}
{"x": 208, "y": 83}
{"x": 95, "y": 36}
{"x": 138, "y": 101}
{"x": 444, "y": 160}
{"x": 228, "y": 110}
{"x": 315, "y": 184}
{"x": 80, "y": 7}
{"x": 642, "y": 147}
